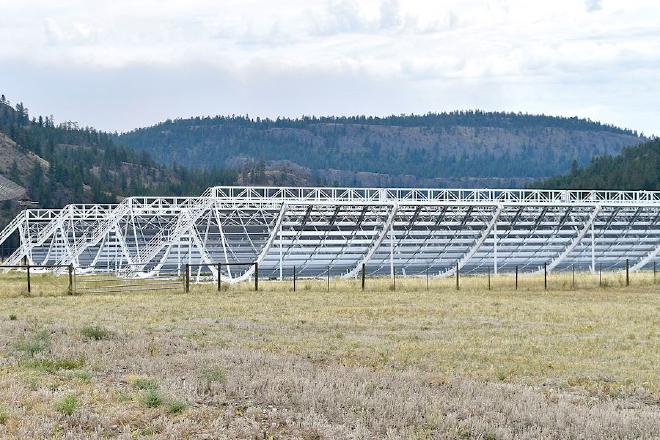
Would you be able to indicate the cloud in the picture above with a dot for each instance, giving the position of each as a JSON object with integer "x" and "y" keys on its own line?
{"x": 406, "y": 56}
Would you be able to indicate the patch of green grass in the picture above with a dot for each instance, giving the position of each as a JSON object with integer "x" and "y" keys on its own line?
{"x": 34, "y": 344}
{"x": 68, "y": 405}
{"x": 152, "y": 399}
{"x": 96, "y": 332}
{"x": 12, "y": 317}
{"x": 81, "y": 375}
{"x": 218, "y": 375}
{"x": 176, "y": 407}
{"x": 4, "y": 415}
{"x": 143, "y": 383}
{"x": 54, "y": 365}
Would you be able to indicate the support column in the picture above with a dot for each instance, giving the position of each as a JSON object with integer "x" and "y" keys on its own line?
{"x": 495, "y": 248}
{"x": 392, "y": 250}
{"x": 593, "y": 250}
{"x": 281, "y": 257}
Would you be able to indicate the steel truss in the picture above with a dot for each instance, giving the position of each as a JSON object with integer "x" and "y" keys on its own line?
{"x": 334, "y": 231}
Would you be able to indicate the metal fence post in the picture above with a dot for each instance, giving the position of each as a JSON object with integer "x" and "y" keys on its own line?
{"x": 364, "y": 270}
{"x": 489, "y": 278}
{"x": 627, "y": 272}
{"x": 70, "y": 279}
{"x": 458, "y": 286}
{"x": 394, "y": 280}
{"x": 187, "y": 279}
{"x": 427, "y": 279}
{"x": 29, "y": 286}
{"x": 600, "y": 274}
{"x": 294, "y": 278}
{"x": 256, "y": 277}
{"x": 328, "y": 278}
{"x": 545, "y": 276}
{"x": 516, "y": 277}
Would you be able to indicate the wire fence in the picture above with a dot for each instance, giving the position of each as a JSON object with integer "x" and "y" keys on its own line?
{"x": 128, "y": 278}
{"x": 39, "y": 279}
{"x": 244, "y": 276}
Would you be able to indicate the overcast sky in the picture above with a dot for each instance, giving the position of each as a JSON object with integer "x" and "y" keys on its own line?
{"x": 122, "y": 64}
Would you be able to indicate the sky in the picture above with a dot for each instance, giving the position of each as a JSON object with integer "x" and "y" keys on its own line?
{"x": 122, "y": 64}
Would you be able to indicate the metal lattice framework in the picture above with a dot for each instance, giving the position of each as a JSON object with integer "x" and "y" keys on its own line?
{"x": 336, "y": 230}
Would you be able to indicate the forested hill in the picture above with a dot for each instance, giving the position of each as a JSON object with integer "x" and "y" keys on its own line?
{"x": 448, "y": 149}
{"x": 60, "y": 164}
{"x": 636, "y": 168}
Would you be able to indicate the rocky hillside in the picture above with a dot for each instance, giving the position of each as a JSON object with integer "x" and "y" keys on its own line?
{"x": 473, "y": 149}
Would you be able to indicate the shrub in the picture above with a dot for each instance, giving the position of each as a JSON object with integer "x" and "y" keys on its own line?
{"x": 152, "y": 399}
{"x": 35, "y": 344}
{"x": 95, "y": 332}
{"x": 12, "y": 317}
{"x": 176, "y": 406}
{"x": 68, "y": 405}
{"x": 143, "y": 383}
{"x": 4, "y": 415}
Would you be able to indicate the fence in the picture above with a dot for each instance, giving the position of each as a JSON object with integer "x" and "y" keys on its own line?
{"x": 216, "y": 271}
{"x": 128, "y": 278}
{"x": 37, "y": 279}
{"x": 58, "y": 279}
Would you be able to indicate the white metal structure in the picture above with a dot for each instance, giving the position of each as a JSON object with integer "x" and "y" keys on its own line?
{"x": 318, "y": 230}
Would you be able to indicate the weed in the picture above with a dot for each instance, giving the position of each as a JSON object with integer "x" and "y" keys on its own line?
{"x": 96, "y": 332}
{"x": 12, "y": 317}
{"x": 68, "y": 405}
{"x": 82, "y": 375}
{"x": 153, "y": 349}
{"x": 143, "y": 383}
{"x": 35, "y": 344}
{"x": 176, "y": 407}
{"x": 152, "y": 399}
{"x": 217, "y": 375}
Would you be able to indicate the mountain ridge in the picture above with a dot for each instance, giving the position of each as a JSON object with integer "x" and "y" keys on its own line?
{"x": 436, "y": 149}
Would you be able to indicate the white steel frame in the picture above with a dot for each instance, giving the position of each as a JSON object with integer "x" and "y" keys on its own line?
{"x": 334, "y": 231}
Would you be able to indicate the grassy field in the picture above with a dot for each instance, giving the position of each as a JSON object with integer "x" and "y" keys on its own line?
{"x": 410, "y": 363}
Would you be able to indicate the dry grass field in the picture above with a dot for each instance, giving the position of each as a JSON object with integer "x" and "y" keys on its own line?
{"x": 409, "y": 363}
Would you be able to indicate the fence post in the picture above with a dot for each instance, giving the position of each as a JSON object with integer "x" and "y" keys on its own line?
{"x": 28, "y": 278}
{"x": 364, "y": 270}
{"x": 573, "y": 284}
{"x": 427, "y": 279}
{"x": 294, "y": 278}
{"x": 394, "y": 279}
{"x": 328, "y": 278}
{"x": 516, "y": 277}
{"x": 654, "y": 273}
{"x": 600, "y": 274}
{"x": 458, "y": 286}
{"x": 256, "y": 277}
{"x": 187, "y": 279}
{"x": 70, "y": 279}
{"x": 488, "y": 278}
{"x": 219, "y": 277}
{"x": 545, "y": 276}
{"x": 627, "y": 272}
